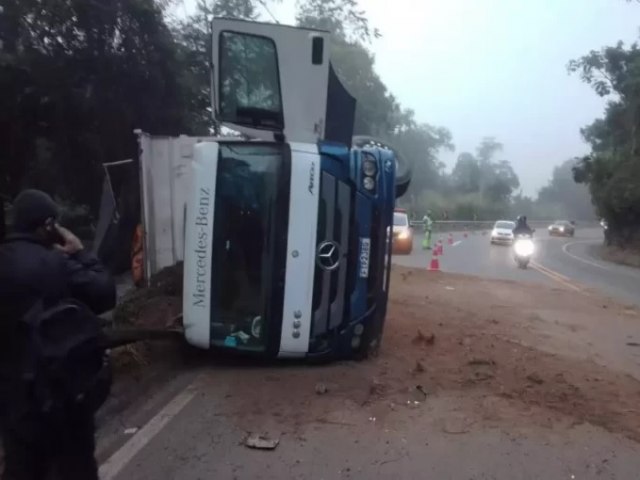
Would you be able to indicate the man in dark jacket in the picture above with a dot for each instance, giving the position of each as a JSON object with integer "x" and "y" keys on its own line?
{"x": 41, "y": 260}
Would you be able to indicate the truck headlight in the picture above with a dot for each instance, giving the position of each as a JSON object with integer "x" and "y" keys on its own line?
{"x": 369, "y": 167}
{"x": 369, "y": 183}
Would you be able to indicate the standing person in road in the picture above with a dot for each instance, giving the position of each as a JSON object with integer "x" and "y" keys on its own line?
{"x": 428, "y": 227}
{"x": 43, "y": 264}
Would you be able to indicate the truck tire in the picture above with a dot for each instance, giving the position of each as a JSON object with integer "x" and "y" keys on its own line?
{"x": 403, "y": 168}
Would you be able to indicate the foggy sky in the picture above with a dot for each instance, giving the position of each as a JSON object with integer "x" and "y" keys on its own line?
{"x": 495, "y": 68}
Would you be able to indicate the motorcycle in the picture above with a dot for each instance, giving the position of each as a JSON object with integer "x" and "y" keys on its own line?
{"x": 523, "y": 249}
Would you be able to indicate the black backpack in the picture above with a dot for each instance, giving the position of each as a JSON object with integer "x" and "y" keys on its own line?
{"x": 66, "y": 360}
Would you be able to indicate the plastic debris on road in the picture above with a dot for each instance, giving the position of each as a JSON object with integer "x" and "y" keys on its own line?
{"x": 261, "y": 442}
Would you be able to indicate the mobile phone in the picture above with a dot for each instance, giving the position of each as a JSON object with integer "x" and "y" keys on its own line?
{"x": 53, "y": 233}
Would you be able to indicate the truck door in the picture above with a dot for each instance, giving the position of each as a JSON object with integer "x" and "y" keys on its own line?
{"x": 270, "y": 81}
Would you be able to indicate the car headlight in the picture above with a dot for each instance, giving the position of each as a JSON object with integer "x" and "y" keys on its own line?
{"x": 404, "y": 234}
{"x": 524, "y": 247}
{"x": 494, "y": 233}
{"x": 368, "y": 183}
{"x": 369, "y": 167}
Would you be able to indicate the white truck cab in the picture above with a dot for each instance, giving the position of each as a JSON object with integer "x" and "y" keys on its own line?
{"x": 286, "y": 242}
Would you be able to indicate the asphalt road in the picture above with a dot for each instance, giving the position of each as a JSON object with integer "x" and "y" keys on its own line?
{"x": 180, "y": 433}
{"x": 570, "y": 262}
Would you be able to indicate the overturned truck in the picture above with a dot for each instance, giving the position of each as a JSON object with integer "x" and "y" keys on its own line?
{"x": 284, "y": 228}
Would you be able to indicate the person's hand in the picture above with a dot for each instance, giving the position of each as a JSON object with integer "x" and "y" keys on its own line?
{"x": 71, "y": 245}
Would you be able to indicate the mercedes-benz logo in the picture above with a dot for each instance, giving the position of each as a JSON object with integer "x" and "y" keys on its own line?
{"x": 328, "y": 256}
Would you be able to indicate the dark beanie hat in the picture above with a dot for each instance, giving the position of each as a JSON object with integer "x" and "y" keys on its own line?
{"x": 31, "y": 209}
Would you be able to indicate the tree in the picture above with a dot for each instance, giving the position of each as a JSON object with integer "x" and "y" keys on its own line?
{"x": 77, "y": 78}
{"x": 378, "y": 112}
{"x": 465, "y": 177}
{"x": 343, "y": 18}
{"x": 564, "y": 196}
{"x": 612, "y": 169}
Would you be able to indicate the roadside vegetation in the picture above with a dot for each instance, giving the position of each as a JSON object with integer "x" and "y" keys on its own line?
{"x": 612, "y": 169}
{"x": 78, "y": 76}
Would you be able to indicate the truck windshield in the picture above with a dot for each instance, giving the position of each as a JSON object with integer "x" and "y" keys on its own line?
{"x": 247, "y": 229}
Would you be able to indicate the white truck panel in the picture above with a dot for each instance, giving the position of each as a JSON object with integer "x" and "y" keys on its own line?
{"x": 165, "y": 179}
{"x": 196, "y": 298}
{"x": 304, "y": 112}
{"x": 301, "y": 250}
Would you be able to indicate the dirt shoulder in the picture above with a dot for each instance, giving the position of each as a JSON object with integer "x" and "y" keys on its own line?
{"x": 531, "y": 349}
{"x": 496, "y": 353}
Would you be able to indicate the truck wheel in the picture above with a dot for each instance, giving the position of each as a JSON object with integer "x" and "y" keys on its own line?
{"x": 403, "y": 168}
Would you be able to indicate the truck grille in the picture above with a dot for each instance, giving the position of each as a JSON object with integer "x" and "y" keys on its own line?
{"x": 334, "y": 217}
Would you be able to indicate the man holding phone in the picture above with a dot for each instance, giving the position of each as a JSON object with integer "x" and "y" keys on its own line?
{"x": 42, "y": 261}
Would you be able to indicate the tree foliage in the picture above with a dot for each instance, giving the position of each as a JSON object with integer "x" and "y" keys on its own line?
{"x": 563, "y": 197}
{"x": 612, "y": 169}
{"x": 76, "y": 78}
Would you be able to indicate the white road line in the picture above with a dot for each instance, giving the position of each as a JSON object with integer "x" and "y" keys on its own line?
{"x": 455, "y": 244}
{"x": 565, "y": 249}
{"x": 114, "y": 465}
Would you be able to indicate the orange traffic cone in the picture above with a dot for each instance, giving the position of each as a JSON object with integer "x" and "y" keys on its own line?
{"x": 434, "y": 265}
{"x": 450, "y": 239}
{"x": 440, "y": 248}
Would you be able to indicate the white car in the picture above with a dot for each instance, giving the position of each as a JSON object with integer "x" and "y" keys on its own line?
{"x": 502, "y": 232}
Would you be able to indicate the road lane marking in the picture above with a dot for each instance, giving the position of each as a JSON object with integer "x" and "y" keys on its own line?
{"x": 565, "y": 249}
{"x": 120, "y": 459}
{"x": 552, "y": 272}
{"x": 557, "y": 277}
{"x": 455, "y": 244}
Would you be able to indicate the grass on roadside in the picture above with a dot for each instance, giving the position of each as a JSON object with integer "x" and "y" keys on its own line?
{"x": 619, "y": 255}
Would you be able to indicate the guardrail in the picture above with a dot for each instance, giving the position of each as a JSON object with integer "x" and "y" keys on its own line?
{"x": 463, "y": 225}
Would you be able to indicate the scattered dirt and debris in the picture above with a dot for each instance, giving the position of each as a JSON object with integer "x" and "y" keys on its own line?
{"x": 321, "y": 388}
{"x": 419, "y": 368}
{"x": 159, "y": 305}
{"x": 423, "y": 339}
{"x": 486, "y": 349}
{"x": 156, "y": 307}
{"x": 491, "y": 335}
{"x": 535, "y": 378}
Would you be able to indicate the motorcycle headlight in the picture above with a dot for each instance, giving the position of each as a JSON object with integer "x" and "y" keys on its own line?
{"x": 524, "y": 247}
{"x": 369, "y": 167}
{"x": 368, "y": 183}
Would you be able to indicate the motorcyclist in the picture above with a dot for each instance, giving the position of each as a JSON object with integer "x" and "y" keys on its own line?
{"x": 522, "y": 228}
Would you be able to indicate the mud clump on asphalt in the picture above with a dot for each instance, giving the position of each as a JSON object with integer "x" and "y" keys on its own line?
{"x": 423, "y": 339}
{"x": 157, "y": 306}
